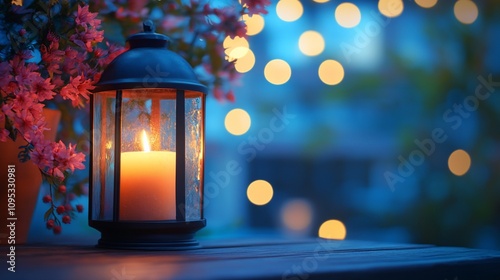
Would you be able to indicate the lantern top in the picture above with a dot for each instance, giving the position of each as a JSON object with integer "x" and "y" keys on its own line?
{"x": 148, "y": 38}
{"x": 149, "y": 64}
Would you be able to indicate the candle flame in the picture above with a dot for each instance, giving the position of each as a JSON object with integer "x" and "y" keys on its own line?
{"x": 145, "y": 142}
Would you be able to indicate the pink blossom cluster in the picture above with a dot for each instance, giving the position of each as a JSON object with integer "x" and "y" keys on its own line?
{"x": 23, "y": 88}
{"x": 59, "y": 67}
{"x": 69, "y": 73}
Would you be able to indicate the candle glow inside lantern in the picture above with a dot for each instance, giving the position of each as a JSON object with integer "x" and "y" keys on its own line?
{"x": 147, "y": 154}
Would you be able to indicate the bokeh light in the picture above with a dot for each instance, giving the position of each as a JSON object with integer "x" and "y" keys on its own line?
{"x": 311, "y": 43}
{"x": 260, "y": 192}
{"x": 331, "y": 72}
{"x": 321, "y": 1}
{"x": 289, "y": 10}
{"x": 296, "y": 215}
{"x": 237, "y": 121}
{"x": 235, "y": 48}
{"x": 459, "y": 162}
{"x": 466, "y": 11}
{"x": 255, "y": 24}
{"x": 245, "y": 63}
{"x": 277, "y": 72}
{"x": 332, "y": 229}
{"x": 390, "y": 8}
{"x": 426, "y": 3}
{"x": 347, "y": 15}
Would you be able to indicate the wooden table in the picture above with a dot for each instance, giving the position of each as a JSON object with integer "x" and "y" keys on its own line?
{"x": 257, "y": 259}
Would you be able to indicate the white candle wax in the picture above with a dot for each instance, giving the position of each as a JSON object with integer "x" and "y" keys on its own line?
{"x": 147, "y": 186}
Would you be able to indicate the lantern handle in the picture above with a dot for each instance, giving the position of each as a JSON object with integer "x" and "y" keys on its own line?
{"x": 148, "y": 26}
{"x": 148, "y": 38}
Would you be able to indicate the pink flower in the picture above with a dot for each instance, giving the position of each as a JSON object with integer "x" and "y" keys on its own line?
{"x": 77, "y": 89}
{"x": 51, "y": 37}
{"x": 24, "y": 99}
{"x": 70, "y": 53}
{"x": 85, "y": 18}
{"x": 256, "y": 6}
{"x": 112, "y": 53}
{"x": 67, "y": 158}
{"x": 42, "y": 154}
{"x": 52, "y": 57}
{"x": 43, "y": 89}
{"x": 90, "y": 35}
{"x": 24, "y": 73}
{"x": 57, "y": 81}
{"x": 87, "y": 38}
{"x": 24, "y": 122}
{"x": 230, "y": 96}
{"x": 29, "y": 123}
{"x": 218, "y": 93}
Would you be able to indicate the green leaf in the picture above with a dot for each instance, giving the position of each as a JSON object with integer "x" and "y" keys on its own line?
{"x": 24, "y": 154}
{"x": 11, "y": 129}
{"x": 48, "y": 213}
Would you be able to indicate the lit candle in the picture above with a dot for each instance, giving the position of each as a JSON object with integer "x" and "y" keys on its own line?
{"x": 147, "y": 184}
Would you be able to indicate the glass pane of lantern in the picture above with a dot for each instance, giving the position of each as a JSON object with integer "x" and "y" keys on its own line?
{"x": 194, "y": 105}
{"x": 103, "y": 161}
{"x": 147, "y": 176}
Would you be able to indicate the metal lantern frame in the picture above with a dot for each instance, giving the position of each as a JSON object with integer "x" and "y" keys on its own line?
{"x": 148, "y": 54}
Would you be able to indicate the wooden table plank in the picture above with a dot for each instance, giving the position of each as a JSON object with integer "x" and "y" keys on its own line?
{"x": 258, "y": 259}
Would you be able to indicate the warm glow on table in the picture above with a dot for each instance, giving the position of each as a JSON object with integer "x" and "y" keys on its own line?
{"x": 147, "y": 184}
{"x": 332, "y": 229}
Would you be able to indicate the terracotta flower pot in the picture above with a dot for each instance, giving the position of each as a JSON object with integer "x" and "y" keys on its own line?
{"x": 27, "y": 184}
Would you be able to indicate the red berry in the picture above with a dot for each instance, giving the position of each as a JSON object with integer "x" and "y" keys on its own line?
{"x": 60, "y": 209}
{"x": 68, "y": 207}
{"x": 66, "y": 219}
{"x": 50, "y": 224}
{"x": 62, "y": 189}
{"x": 79, "y": 208}
{"x": 57, "y": 229}
{"x": 47, "y": 199}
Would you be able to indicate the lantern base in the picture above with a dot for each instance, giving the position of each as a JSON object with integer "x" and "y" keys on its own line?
{"x": 150, "y": 235}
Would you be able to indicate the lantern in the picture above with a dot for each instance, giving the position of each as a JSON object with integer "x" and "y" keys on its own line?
{"x": 147, "y": 154}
